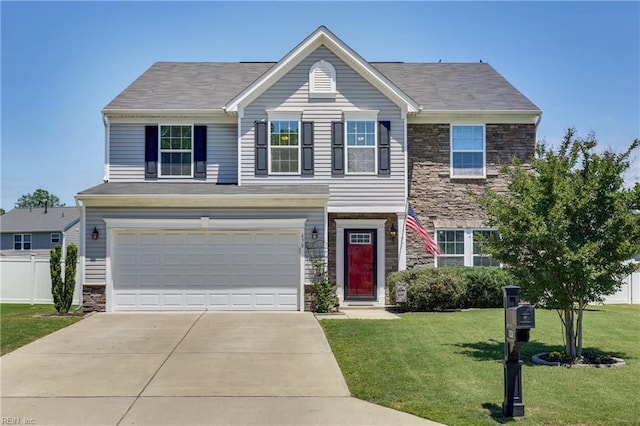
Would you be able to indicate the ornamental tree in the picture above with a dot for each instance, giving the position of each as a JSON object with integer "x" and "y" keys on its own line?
{"x": 567, "y": 228}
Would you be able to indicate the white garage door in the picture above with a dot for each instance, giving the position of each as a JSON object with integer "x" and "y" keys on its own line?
{"x": 215, "y": 270}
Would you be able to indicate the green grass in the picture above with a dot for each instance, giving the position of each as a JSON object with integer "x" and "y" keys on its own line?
{"x": 22, "y": 324}
{"x": 447, "y": 367}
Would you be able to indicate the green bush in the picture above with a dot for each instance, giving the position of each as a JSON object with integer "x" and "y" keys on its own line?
{"x": 484, "y": 286}
{"x": 325, "y": 290}
{"x": 62, "y": 289}
{"x": 433, "y": 289}
{"x": 430, "y": 289}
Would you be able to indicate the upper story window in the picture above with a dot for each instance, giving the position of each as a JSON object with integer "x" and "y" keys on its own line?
{"x": 284, "y": 146}
{"x": 176, "y": 150}
{"x": 22, "y": 241}
{"x": 361, "y": 138}
{"x": 467, "y": 151}
{"x": 55, "y": 238}
{"x": 322, "y": 80}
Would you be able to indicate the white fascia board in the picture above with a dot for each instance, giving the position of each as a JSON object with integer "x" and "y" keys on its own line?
{"x": 366, "y": 209}
{"x": 497, "y": 116}
{"x": 175, "y": 200}
{"x": 322, "y": 36}
{"x": 133, "y": 115}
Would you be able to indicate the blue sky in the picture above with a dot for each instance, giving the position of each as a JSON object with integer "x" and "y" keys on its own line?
{"x": 64, "y": 61}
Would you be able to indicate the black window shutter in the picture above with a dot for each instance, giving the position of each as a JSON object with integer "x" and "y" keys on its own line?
{"x": 262, "y": 154}
{"x": 384, "y": 148}
{"x": 307, "y": 148}
{"x": 200, "y": 152}
{"x": 151, "y": 151}
{"x": 337, "y": 148}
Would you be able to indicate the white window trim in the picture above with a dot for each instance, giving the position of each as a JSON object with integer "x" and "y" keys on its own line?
{"x": 22, "y": 242}
{"x": 59, "y": 238}
{"x": 468, "y": 243}
{"x": 284, "y": 116}
{"x": 313, "y": 92}
{"x": 361, "y": 116}
{"x": 484, "y": 151}
{"x": 160, "y": 150}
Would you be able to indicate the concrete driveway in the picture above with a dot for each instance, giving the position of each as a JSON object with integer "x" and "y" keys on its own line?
{"x": 184, "y": 368}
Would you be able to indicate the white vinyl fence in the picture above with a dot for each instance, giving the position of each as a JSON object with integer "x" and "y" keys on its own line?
{"x": 628, "y": 293}
{"x": 28, "y": 280}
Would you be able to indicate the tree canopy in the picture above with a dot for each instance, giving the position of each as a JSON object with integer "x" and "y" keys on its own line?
{"x": 567, "y": 228}
{"x": 39, "y": 198}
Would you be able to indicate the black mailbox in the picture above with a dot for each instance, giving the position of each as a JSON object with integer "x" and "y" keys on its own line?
{"x": 519, "y": 320}
{"x": 521, "y": 317}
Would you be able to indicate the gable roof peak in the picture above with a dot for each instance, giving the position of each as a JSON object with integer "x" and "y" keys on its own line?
{"x": 323, "y": 36}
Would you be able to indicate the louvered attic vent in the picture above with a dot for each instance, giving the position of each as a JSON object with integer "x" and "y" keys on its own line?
{"x": 322, "y": 80}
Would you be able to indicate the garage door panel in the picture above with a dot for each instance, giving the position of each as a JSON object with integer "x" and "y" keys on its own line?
{"x": 174, "y": 270}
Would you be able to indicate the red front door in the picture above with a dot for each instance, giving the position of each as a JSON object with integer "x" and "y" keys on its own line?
{"x": 360, "y": 263}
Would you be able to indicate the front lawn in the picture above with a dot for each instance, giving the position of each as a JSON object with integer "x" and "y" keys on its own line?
{"x": 448, "y": 367}
{"x": 22, "y": 324}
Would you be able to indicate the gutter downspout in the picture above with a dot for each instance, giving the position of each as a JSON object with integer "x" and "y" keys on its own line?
{"x": 107, "y": 144}
{"x": 536, "y": 127}
{"x": 83, "y": 222}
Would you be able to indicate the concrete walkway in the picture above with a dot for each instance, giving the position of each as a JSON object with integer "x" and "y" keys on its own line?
{"x": 184, "y": 368}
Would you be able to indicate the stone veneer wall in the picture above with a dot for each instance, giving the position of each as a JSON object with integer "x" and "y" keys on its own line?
{"x": 94, "y": 298}
{"x": 435, "y": 196}
{"x": 391, "y": 249}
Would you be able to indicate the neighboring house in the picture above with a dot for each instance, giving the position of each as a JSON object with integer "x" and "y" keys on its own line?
{"x": 224, "y": 180}
{"x": 37, "y": 230}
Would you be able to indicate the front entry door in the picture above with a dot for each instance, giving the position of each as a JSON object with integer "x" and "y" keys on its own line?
{"x": 360, "y": 271}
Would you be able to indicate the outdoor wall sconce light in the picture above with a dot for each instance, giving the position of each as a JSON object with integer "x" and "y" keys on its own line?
{"x": 393, "y": 231}
{"x": 314, "y": 233}
{"x": 95, "y": 233}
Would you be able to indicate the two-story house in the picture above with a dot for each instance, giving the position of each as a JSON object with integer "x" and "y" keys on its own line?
{"x": 223, "y": 181}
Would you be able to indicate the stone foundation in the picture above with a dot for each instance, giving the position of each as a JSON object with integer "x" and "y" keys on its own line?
{"x": 94, "y": 298}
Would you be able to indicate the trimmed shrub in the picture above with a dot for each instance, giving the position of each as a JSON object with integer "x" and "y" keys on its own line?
{"x": 484, "y": 286}
{"x": 434, "y": 289}
{"x": 429, "y": 289}
{"x": 62, "y": 289}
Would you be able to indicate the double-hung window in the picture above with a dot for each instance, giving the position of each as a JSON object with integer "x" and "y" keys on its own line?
{"x": 467, "y": 151}
{"x": 463, "y": 247}
{"x": 55, "y": 238}
{"x": 176, "y": 150}
{"x": 361, "y": 136}
{"x": 480, "y": 258}
{"x": 22, "y": 241}
{"x": 451, "y": 244}
{"x": 284, "y": 144}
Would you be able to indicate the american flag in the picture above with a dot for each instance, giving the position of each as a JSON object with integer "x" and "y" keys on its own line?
{"x": 413, "y": 222}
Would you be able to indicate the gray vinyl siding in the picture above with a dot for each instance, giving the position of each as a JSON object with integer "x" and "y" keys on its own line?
{"x": 39, "y": 240}
{"x": 291, "y": 92}
{"x": 72, "y": 235}
{"x": 96, "y": 250}
{"x": 126, "y": 152}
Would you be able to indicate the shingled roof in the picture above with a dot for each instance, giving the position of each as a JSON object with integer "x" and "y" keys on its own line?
{"x": 52, "y": 219}
{"x": 210, "y": 85}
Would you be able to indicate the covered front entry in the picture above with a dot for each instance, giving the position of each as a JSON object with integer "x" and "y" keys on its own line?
{"x": 360, "y": 264}
{"x": 155, "y": 269}
{"x": 359, "y": 256}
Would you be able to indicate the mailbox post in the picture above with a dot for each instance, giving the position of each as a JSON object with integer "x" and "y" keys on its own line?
{"x": 518, "y": 320}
